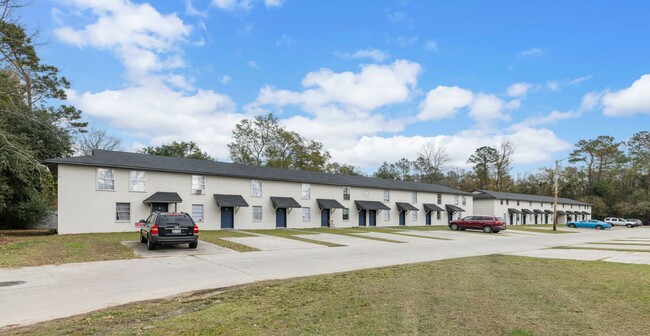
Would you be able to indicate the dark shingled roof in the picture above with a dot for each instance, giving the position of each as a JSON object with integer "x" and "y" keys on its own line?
{"x": 432, "y": 207}
{"x": 526, "y": 211}
{"x": 550, "y": 212}
{"x": 453, "y": 208}
{"x": 403, "y": 206}
{"x": 163, "y": 197}
{"x": 490, "y": 194}
{"x": 513, "y": 210}
{"x": 284, "y": 202}
{"x": 112, "y": 159}
{"x": 561, "y": 212}
{"x": 329, "y": 204}
{"x": 570, "y": 212}
{"x": 371, "y": 205}
{"x": 230, "y": 201}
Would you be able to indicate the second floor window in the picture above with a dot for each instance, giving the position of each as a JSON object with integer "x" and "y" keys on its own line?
{"x": 346, "y": 193}
{"x": 256, "y": 188}
{"x": 386, "y": 195}
{"x": 137, "y": 180}
{"x": 306, "y": 191}
{"x": 464, "y": 200}
{"x": 456, "y": 200}
{"x": 439, "y": 198}
{"x": 105, "y": 179}
{"x": 198, "y": 185}
{"x": 414, "y": 197}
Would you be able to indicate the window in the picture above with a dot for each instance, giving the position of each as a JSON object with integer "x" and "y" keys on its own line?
{"x": 541, "y": 204}
{"x": 306, "y": 191}
{"x": 530, "y": 203}
{"x": 137, "y": 180}
{"x": 563, "y": 206}
{"x": 257, "y": 213}
{"x": 414, "y": 216}
{"x": 386, "y": 195}
{"x": 517, "y": 203}
{"x": 438, "y": 215}
{"x": 256, "y": 188}
{"x": 464, "y": 200}
{"x": 571, "y": 206}
{"x": 346, "y": 193}
{"x": 386, "y": 215}
{"x": 197, "y": 212}
{"x": 366, "y": 193}
{"x": 198, "y": 185}
{"x": 105, "y": 179}
{"x": 501, "y": 202}
{"x": 346, "y": 214}
{"x": 507, "y": 202}
{"x": 122, "y": 212}
{"x": 414, "y": 197}
{"x": 306, "y": 214}
{"x": 456, "y": 200}
{"x": 439, "y": 198}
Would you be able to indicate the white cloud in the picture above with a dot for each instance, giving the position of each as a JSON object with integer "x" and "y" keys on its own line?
{"x": 553, "y": 85}
{"x": 374, "y": 54}
{"x": 532, "y": 52}
{"x": 192, "y": 11}
{"x": 245, "y": 30}
{"x": 579, "y": 80}
{"x": 273, "y": 3}
{"x": 233, "y": 5}
{"x": 487, "y": 108}
{"x": 405, "y": 41}
{"x": 225, "y": 79}
{"x": 285, "y": 40}
{"x": 431, "y": 45}
{"x": 519, "y": 89}
{"x": 254, "y": 65}
{"x": 443, "y": 102}
{"x": 550, "y": 118}
{"x": 630, "y": 101}
{"x": 397, "y": 17}
{"x": 590, "y": 101}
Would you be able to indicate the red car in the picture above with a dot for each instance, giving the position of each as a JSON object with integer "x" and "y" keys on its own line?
{"x": 479, "y": 222}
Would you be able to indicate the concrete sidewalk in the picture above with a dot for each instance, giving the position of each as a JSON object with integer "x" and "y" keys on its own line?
{"x": 50, "y": 292}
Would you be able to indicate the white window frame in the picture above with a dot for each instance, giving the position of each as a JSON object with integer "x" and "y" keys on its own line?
{"x": 119, "y": 211}
{"x": 195, "y": 217}
{"x": 105, "y": 178}
{"x": 414, "y": 197}
{"x": 439, "y": 199}
{"x": 305, "y": 191}
{"x": 456, "y": 199}
{"x": 414, "y": 216}
{"x": 198, "y": 185}
{"x": 366, "y": 193}
{"x": 438, "y": 215}
{"x": 386, "y": 195}
{"x": 386, "y": 215}
{"x": 345, "y": 213}
{"x": 346, "y": 193}
{"x": 306, "y": 214}
{"x": 256, "y": 188}
{"x": 465, "y": 200}
{"x": 254, "y": 213}
{"x": 134, "y": 182}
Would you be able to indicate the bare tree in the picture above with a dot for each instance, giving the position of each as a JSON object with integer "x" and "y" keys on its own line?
{"x": 503, "y": 164}
{"x": 96, "y": 139}
{"x": 431, "y": 162}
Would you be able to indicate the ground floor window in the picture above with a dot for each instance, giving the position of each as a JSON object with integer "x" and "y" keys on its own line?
{"x": 306, "y": 214}
{"x": 197, "y": 212}
{"x": 257, "y": 213}
{"x": 346, "y": 214}
{"x": 386, "y": 215}
{"x": 414, "y": 216}
{"x": 123, "y": 211}
{"x": 438, "y": 215}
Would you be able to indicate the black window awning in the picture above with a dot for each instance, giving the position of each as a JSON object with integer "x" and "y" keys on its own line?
{"x": 513, "y": 210}
{"x": 403, "y": 206}
{"x": 163, "y": 197}
{"x": 526, "y": 211}
{"x": 285, "y": 202}
{"x": 329, "y": 204}
{"x": 371, "y": 205}
{"x": 454, "y": 208}
{"x": 548, "y": 212}
{"x": 570, "y": 212}
{"x": 538, "y": 211}
{"x": 432, "y": 207}
{"x": 561, "y": 212}
{"x": 230, "y": 201}
{"x": 585, "y": 213}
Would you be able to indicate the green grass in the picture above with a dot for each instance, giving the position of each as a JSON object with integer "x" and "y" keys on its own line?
{"x": 216, "y": 237}
{"x": 490, "y": 295}
{"x": 599, "y": 249}
{"x": 20, "y": 251}
{"x": 293, "y": 234}
{"x": 351, "y": 232}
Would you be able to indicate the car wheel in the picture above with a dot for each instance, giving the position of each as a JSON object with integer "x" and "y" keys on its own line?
{"x": 142, "y": 238}
{"x": 194, "y": 244}
{"x": 629, "y": 225}
{"x": 496, "y": 231}
{"x": 600, "y": 227}
{"x": 487, "y": 229}
{"x": 572, "y": 226}
{"x": 151, "y": 245}
{"x": 454, "y": 227}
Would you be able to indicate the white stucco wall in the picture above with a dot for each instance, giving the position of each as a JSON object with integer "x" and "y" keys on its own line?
{"x": 82, "y": 208}
{"x": 496, "y": 208}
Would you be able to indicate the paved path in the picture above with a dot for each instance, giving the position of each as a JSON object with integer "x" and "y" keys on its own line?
{"x": 51, "y": 292}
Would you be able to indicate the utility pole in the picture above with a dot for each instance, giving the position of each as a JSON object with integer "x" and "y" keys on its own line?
{"x": 555, "y": 178}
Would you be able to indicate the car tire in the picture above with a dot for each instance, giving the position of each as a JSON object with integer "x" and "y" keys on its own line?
{"x": 496, "y": 231}
{"x": 194, "y": 244}
{"x": 573, "y": 226}
{"x": 454, "y": 227}
{"x": 629, "y": 225}
{"x": 600, "y": 227}
{"x": 487, "y": 229}
{"x": 142, "y": 238}
{"x": 150, "y": 245}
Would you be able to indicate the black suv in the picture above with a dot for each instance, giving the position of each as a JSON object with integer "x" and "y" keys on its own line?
{"x": 169, "y": 228}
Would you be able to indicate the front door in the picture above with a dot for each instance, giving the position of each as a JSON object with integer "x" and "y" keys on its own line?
{"x": 161, "y": 207}
{"x": 535, "y": 218}
{"x": 372, "y": 217}
{"x": 325, "y": 217}
{"x": 227, "y": 218}
{"x": 427, "y": 218}
{"x": 362, "y": 217}
{"x": 280, "y": 218}
{"x": 523, "y": 219}
{"x": 450, "y": 216}
{"x": 545, "y": 219}
{"x": 402, "y": 218}
{"x": 512, "y": 219}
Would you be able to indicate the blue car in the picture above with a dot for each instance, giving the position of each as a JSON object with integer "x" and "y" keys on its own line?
{"x": 592, "y": 224}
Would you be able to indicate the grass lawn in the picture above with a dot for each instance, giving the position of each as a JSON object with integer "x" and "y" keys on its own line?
{"x": 490, "y": 295}
{"x": 20, "y": 251}
{"x": 293, "y": 234}
{"x": 352, "y": 232}
{"x": 216, "y": 237}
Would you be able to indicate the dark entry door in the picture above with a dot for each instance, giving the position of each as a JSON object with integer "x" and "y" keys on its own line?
{"x": 512, "y": 219}
{"x": 450, "y": 216}
{"x": 362, "y": 217}
{"x": 402, "y": 218}
{"x": 325, "y": 217}
{"x": 280, "y": 218}
{"x": 545, "y": 219}
{"x": 535, "y": 218}
{"x": 523, "y": 219}
{"x": 227, "y": 218}
{"x": 162, "y": 207}
{"x": 427, "y": 218}
{"x": 372, "y": 217}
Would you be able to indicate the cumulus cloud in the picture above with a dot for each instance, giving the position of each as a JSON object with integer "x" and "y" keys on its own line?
{"x": 519, "y": 89}
{"x": 487, "y": 108}
{"x": 232, "y": 5}
{"x": 443, "y": 102}
{"x": 532, "y": 52}
{"x": 285, "y": 40}
{"x": 373, "y": 54}
{"x": 273, "y": 3}
{"x": 629, "y": 101}
{"x": 431, "y": 45}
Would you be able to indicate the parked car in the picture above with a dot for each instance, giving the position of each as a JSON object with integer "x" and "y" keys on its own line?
{"x": 479, "y": 222}
{"x": 169, "y": 228}
{"x": 637, "y": 222}
{"x": 592, "y": 223}
{"x": 614, "y": 221}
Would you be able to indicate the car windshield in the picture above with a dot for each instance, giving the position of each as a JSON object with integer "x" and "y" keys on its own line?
{"x": 500, "y": 219}
{"x": 182, "y": 220}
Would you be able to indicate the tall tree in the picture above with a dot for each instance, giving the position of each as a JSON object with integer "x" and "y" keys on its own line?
{"x": 599, "y": 156}
{"x": 639, "y": 151}
{"x": 503, "y": 165}
{"x": 483, "y": 160}
{"x": 96, "y": 139}
{"x": 187, "y": 150}
{"x": 430, "y": 163}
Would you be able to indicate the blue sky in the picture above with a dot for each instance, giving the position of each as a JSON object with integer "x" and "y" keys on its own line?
{"x": 373, "y": 80}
